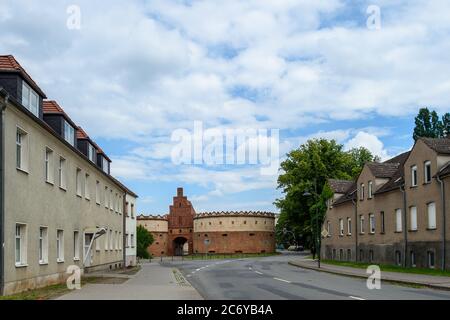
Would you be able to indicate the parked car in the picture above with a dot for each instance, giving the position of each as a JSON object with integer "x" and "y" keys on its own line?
{"x": 295, "y": 248}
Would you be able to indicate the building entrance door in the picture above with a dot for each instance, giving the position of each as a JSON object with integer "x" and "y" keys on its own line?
{"x": 87, "y": 243}
{"x": 181, "y": 246}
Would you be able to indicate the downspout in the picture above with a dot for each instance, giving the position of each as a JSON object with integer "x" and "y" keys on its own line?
{"x": 356, "y": 229}
{"x": 405, "y": 228}
{"x": 444, "y": 224}
{"x": 124, "y": 248}
{"x": 2, "y": 195}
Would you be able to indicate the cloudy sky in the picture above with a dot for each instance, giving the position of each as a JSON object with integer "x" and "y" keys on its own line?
{"x": 135, "y": 71}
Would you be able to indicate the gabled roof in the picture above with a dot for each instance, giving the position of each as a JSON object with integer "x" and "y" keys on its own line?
{"x": 348, "y": 196}
{"x": 383, "y": 170}
{"x": 339, "y": 186}
{"x": 52, "y": 107}
{"x": 397, "y": 179}
{"x": 439, "y": 145}
{"x": 9, "y": 64}
{"x": 445, "y": 170}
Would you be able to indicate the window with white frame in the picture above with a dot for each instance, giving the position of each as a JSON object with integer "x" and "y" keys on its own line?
{"x": 69, "y": 133}
{"x": 431, "y": 262}
{"x": 59, "y": 245}
{"x": 106, "y": 197}
{"x": 361, "y": 191}
{"x": 116, "y": 203}
{"x": 120, "y": 240}
{"x": 62, "y": 173}
{"x": 43, "y": 245}
{"x": 79, "y": 182}
{"x": 48, "y": 165}
{"x": 341, "y": 227}
{"x": 120, "y": 205}
{"x": 414, "y": 176}
{"x": 87, "y": 192}
{"x": 431, "y": 209}
{"x": 349, "y": 226}
{"x": 132, "y": 210}
{"x": 21, "y": 150}
{"x": 106, "y": 240}
{"x": 97, "y": 192}
{"x": 105, "y": 165}
{"x": 413, "y": 218}
{"x": 372, "y": 223}
{"x": 111, "y": 201}
{"x": 30, "y": 99}
{"x": 116, "y": 242}
{"x": 361, "y": 224}
{"x": 427, "y": 171}
{"x": 21, "y": 244}
{"x": 329, "y": 228}
{"x": 76, "y": 245}
{"x": 398, "y": 220}
{"x": 111, "y": 240}
{"x": 91, "y": 152}
{"x": 127, "y": 236}
{"x": 370, "y": 189}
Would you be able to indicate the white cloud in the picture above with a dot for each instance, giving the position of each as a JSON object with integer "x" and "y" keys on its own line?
{"x": 368, "y": 141}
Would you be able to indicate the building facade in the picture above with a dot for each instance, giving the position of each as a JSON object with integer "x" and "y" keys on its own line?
{"x": 59, "y": 205}
{"x": 130, "y": 229}
{"x": 396, "y": 212}
{"x": 182, "y": 231}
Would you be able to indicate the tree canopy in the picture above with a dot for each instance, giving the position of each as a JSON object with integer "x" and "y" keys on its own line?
{"x": 428, "y": 124}
{"x": 144, "y": 240}
{"x": 307, "y": 169}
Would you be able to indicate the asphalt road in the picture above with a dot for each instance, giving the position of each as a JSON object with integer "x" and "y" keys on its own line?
{"x": 272, "y": 278}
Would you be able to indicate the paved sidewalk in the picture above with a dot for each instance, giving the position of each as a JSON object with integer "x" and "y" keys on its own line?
{"x": 152, "y": 282}
{"x": 435, "y": 282}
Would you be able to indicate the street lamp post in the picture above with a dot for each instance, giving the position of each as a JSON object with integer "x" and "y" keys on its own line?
{"x": 316, "y": 234}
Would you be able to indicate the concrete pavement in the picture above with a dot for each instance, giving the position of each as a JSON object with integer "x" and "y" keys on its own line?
{"x": 435, "y": 282}
{"x": 152, "y": 282}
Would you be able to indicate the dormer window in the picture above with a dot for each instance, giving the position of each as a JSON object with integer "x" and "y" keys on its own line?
{"x": 105, "y": 165}
{"x": 69, "y": 133}
{"x": 91, "y": 152}
{"x": 30, "y": 99}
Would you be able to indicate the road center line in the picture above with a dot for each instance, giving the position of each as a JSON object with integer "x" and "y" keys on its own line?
{"x": 281, "y": 280}
{"x": 356, "y": 298}
{"x": 258, "y": 272}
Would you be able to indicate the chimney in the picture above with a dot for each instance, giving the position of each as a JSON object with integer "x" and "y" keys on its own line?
{"x": 179, "y": 192}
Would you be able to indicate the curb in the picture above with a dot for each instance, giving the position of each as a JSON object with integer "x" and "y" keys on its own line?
{"x": 394, "y": 281}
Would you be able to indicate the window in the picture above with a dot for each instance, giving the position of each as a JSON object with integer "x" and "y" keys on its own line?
{"x": 111, "y": 240}
{"x": 105, "y": 165}
{"x": 132, "y": 210}
{"x": 430, "y": 256}
{"x": 86, "y": 187}
{"x": 116, "y": 203}
{"x": 132, "y": 240}
{"x": 431, "y": 209}
{"x": 97, "y": 192}
{"x": 106, "y": 197}
{"x": 120, "y": 205}
{"x": 334, "y": 254}
{"x": 370, "y": 255}
{"x": 91, "y": 152}
{"x": 427, "y": 171}
{"x": 341, "y": 227}
{"x": 414, "y": 176}
{"x": 69, "y": 133}
{"x": 398, "y": 220}
{"x": 412, "y": 256}
{"x": 21, "y": 150}
{"x": 116, "y": 242}
{"x": 59, "y": 246}
{"x": 361, "y": 224}
{"x": 372, "y": 223}
{"x": 127, "y": 239}
{"x": 97, "y": 244}
{"x": 48, "y": 165}
{"x": 382, "y": 221}
{"x": 398, "y": 258}
{"x": 111, "y": 204}
{"x": 120, "y": 241}
{"x": 78, "y": 182}
{"x": 43, "y": 245}
{"x": 21, "y": 244}
{"x": 349, "y": 254}
{"x": 349, "y": 226}
{"x": 76, "y": 245}
{"x": 30, "y": 99}
{"x": 361, "y": 190}
{"x": 341, "y": 254}
{"x": 361, "y": 254}
{"x": 370, "y": 190}
{"x": 413, "y": 218}
{"x": 106, "y": 240}
{"x": 62, "y": 173}
{"x": 329, "y": 228}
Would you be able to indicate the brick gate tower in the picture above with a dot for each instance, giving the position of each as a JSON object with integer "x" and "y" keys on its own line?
{"x": 181, "y": 225}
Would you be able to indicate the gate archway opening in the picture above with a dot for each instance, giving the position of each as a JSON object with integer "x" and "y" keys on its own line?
{"x": 181, "y": 246}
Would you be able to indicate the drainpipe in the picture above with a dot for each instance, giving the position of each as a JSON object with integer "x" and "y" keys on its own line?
{"x": 356, "y": 229}
{"x": 2, "y": 195}
{"x": 405, "y": 228}
{"x": 444, "y": 224}
{"x": 124, "y": 244}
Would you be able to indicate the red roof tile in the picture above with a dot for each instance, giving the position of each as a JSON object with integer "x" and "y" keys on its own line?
{"x": 81, "y": 134}
{"x": 51, "y": 106}
{"x": 9, "y": 63}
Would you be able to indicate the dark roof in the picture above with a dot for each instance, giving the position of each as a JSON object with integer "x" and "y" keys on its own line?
{"x": 439, "y": 145}
{"x": 384, "y": 169}
{"x": 9, "y": 64}
{"x": 397, "y": 179}
{"x": 445, "y": 170}
{"x": 50, "y": 107}
{"x": 339, "y": 186}
{"x": 348, "y": 196}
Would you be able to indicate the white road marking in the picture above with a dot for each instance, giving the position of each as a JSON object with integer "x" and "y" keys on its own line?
{"x": 249, "y": 268}
{"x": 356, "y": 298}
{"x": 197, "y": 269}
{"x": 281, "y": 280}
{"x": 258, "y": 272}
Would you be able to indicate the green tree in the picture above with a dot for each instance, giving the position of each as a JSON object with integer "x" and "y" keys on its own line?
{"x": 427, "y": 124}
{"x": 307, "y": 169}
{"x": 446, "y": 124}
{"x": 144, "y": 240}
